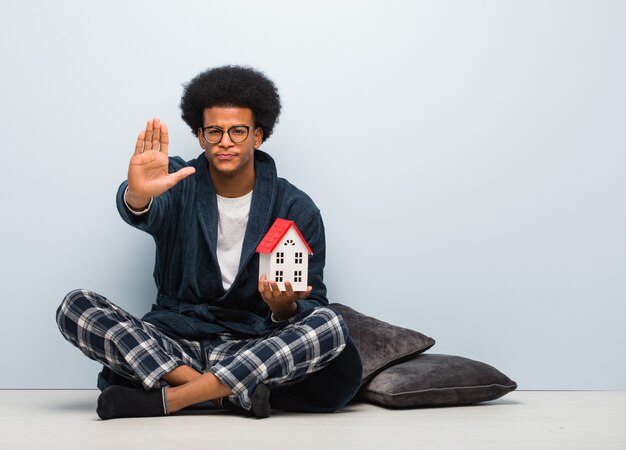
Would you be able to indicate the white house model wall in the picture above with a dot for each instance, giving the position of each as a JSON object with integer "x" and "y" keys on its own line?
{"x": 289, "y": 261}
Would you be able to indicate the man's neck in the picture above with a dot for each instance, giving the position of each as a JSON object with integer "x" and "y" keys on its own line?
{"x": 232, "y": 186}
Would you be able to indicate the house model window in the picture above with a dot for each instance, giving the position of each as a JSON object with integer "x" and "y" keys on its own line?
{"x": 282, "y": 255}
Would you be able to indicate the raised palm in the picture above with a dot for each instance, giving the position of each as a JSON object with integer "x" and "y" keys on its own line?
{"x": 147, "y": 171}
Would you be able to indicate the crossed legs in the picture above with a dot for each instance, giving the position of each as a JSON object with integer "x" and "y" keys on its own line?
{"x": 198, "y": 388}
{"x": 235, "y": 367}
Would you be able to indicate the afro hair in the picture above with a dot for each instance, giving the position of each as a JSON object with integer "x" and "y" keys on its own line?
{"x": 231, "y": 86}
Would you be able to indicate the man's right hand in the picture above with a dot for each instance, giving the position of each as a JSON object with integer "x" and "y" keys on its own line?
{"x": 148, "y": 176}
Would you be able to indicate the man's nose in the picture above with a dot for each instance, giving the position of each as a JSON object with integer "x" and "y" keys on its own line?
{"x": 226, "y": 141}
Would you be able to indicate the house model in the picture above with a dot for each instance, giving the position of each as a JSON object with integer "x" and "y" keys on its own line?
{"x": 284, "y": 255}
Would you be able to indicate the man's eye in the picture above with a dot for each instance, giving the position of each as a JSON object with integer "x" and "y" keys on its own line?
{"x": 239, "y": 131}
{"x": 214, "y": 132}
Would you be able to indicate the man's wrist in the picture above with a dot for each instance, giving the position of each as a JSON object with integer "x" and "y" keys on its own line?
{"x": 279, "y": 316}
{"x": 132, "y": 202}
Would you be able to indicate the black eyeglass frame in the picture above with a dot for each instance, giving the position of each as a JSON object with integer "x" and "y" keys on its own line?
{"x": 214, "y": 127}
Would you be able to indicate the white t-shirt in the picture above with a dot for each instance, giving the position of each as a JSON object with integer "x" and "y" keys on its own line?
{"x": 231, "y": 227}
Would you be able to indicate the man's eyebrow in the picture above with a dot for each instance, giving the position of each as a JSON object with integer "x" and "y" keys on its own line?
{"x": 235, "y": 125}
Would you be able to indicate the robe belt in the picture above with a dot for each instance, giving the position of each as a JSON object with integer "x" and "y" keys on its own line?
{"x": 235, "y": 320}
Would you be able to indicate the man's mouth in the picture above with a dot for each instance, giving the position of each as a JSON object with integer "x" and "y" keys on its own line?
{"x": 225, "y": 156}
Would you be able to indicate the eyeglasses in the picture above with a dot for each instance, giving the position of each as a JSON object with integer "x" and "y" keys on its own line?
{"x": 237, "y": 134}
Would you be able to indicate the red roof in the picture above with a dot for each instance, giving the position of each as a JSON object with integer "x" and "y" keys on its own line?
{"x": 276, "y": 233}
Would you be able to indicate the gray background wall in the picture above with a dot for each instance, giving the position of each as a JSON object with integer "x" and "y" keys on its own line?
{"x": 467, "y": 156}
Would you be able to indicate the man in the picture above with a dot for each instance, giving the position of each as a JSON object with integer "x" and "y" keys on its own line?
{"x": 217, "y": 331}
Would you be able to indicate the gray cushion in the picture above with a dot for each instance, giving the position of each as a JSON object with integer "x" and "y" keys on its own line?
{"x": 381, "y": 344}
{"x": 436, "y": 380}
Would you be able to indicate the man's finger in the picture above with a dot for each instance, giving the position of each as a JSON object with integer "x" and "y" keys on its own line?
{"x": 174, "y": 178}
{"x": 139, "y": 144}
{"x": 266, "y": 291}
{"x": 304, "y": 294}
{"x": 156, "y": 134}
{"x": 275, "y": 290}
{"x": 262, "y": 285}
{"x": 288, "y": 289}
{"x": 182, "y": 173}
{"x": 148, "y": 137}
{"x": 165, "y": 138}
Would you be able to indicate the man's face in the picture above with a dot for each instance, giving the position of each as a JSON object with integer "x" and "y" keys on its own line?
{"x": 226, "y": 157}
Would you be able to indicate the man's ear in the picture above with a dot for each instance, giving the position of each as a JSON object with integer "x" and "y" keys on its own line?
{"x": 258, "y": 137}
{"x": 200, "y": 138}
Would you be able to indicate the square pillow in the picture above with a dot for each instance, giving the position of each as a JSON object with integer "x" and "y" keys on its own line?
{"x": 436, "y": 380}
{"x": 381, "y": 344}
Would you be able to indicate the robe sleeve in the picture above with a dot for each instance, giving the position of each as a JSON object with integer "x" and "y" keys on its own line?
{"x": 152, "y": 222}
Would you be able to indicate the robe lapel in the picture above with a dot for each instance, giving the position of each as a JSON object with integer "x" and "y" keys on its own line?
{"x": 261, "y": 207}
{"x": 206, "y": 209}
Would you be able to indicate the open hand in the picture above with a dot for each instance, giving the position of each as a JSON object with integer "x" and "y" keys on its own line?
{"x": 147, "y": 172}
{"x": 282, "y": 303}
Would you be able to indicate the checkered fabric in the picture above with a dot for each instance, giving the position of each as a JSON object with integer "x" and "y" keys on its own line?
{"x": 140, "y": 351}
{"x": 288, "y": 354}
{"x": 128, "y": 346}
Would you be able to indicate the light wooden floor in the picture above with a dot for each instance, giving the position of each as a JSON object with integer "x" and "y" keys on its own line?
{"x": 66, "y": 419}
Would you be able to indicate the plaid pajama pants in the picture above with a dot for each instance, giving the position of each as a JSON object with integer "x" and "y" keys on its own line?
{"x": 138, "y": 350}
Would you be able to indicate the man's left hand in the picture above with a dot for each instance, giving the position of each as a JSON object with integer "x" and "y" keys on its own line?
{"x": 282, "y": 303}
